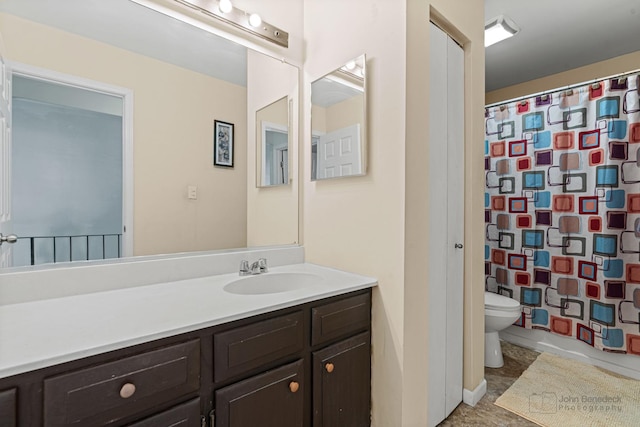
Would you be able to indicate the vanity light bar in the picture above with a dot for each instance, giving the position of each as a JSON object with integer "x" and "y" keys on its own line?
{"x": 239, "y": 19}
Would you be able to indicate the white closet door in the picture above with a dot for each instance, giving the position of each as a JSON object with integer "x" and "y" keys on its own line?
{"x": 455, "y": 223}
{"x": 446, "y": 224}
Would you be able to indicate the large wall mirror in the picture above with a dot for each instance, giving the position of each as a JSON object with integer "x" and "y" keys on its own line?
{"x": 272, "y": 144}
{"x": 72, "y": 144}
{"x": 338, "y": 122}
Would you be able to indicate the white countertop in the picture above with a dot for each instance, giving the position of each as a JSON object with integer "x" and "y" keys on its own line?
{"x": 47, "y": 332}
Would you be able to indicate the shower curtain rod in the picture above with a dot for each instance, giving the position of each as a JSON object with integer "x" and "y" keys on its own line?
{"x": 573, "y": 86}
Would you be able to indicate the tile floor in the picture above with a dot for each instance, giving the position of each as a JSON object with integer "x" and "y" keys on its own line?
{"x": 485, "y": 413}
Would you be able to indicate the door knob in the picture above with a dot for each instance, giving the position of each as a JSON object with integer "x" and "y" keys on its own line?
{"x": 458, "y": 246}
{"x": 294, "y": 386}
{"x": 329, "y": 367}
{"x": 11, "y": 238}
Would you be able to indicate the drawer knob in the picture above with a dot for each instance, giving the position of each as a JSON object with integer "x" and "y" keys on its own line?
{"x": 329, "y": 367}
{"x": 294, "y": 386}
{"x": 127, "y": 390}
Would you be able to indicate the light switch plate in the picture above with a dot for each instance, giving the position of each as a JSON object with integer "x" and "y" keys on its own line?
{"x": 192, "y": 192}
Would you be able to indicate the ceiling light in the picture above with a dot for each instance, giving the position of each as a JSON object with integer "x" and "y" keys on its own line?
{"x": 225, "y": 6}
{"x": 498, "y": 29}
{"x": 255, "y": 20}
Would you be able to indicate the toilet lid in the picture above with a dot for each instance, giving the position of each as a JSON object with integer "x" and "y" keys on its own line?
{"x": 496, "y": 301}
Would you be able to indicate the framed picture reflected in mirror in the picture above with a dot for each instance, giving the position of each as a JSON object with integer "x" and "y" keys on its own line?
{"x": 223, "y": 144}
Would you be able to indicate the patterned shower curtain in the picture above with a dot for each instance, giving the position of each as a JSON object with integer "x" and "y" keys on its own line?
{"x": 562, "y": 211}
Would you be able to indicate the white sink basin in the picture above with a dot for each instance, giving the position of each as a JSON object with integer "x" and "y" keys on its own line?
{"x": 272, "y": 283}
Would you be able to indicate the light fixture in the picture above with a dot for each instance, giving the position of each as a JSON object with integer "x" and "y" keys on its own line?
{"x": 225, "y": 6}
{"x": 498, "y": 29}
{"x": 255, "y": 20}
{"x": 223, "y": 11}
{"x": 351, "y": 65}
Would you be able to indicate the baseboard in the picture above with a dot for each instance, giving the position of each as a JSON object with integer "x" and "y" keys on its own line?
{"x": 622, "y": 364}
{"x": 472, "y": 397}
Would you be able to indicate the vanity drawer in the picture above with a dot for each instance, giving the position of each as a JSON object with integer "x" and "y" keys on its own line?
{"x": 106, "y": 393}
{"x": 185, "y": 415}
{"x": 8, "y": 408}
{"x": 242, "y": 349}
{"x": 340, "y": 318}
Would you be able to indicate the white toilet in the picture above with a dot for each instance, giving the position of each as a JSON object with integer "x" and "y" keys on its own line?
{"x": 499, "y": 313}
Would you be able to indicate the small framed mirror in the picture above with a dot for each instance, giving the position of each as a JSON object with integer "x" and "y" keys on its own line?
{"x": 338, "y": 122}
{"x": 272, "y": 139}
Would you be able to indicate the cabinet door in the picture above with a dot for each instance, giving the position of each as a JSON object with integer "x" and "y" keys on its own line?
{"x": 8, "y": 408}
{"x": 272, "y": 399}
{"x": 342, "y": 383}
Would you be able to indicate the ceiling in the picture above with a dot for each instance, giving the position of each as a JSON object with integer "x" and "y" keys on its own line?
{"x": 559, "y": 35}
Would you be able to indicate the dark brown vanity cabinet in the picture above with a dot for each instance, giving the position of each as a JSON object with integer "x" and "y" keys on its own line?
{"x": 303, "y": 366}
{"x": 335, "y": 343}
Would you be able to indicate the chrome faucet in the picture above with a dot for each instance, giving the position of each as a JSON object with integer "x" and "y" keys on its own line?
{"x": 258, "y": 267}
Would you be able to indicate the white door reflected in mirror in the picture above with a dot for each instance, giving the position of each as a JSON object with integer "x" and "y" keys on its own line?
{"x": 338, "y": 112}
{"x": 272, "y": 136}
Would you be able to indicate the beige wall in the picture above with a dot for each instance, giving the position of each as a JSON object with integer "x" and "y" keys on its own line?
{"x": 318, "y": 119}
{"x": 345, "y": 113}
{"x": 620, "y": 64}
{"x": 338, "y": 116}
{"x": 366, "y": 224}
{"x": 174, "y": 110}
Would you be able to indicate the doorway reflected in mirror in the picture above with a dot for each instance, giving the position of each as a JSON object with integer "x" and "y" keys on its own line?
{"x": 272, "y": 144}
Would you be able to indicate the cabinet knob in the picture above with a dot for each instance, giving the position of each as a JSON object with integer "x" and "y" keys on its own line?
{"x": 294, "y": 386}
{"x": 127, "y": 390}
{"x": 329, "y": 367}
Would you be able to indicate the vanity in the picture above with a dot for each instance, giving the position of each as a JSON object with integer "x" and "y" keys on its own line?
{"x": 182, "y": 340}
{"x": 213, "y": 351}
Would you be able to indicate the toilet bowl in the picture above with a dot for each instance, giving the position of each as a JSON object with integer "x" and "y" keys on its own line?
{"x": 499, "y": 313}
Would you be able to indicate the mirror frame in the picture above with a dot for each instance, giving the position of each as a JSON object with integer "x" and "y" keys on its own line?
{"x": 360, "y": 63}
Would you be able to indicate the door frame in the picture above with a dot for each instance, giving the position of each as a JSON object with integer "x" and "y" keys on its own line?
{"x": 282, "y": 156}
{"x": 55, "y": 77}
{"x": 270, "y": 127}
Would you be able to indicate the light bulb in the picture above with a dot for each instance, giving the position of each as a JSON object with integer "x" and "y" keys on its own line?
{"x": 225, "y": 6}
{"x": 255, "y": 20}
{"x": 350, "y": 65}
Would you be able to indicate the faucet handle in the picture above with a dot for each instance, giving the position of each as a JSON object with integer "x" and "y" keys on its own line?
{"x": 244, "y": 268}
{"x": 262, "y": 263}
